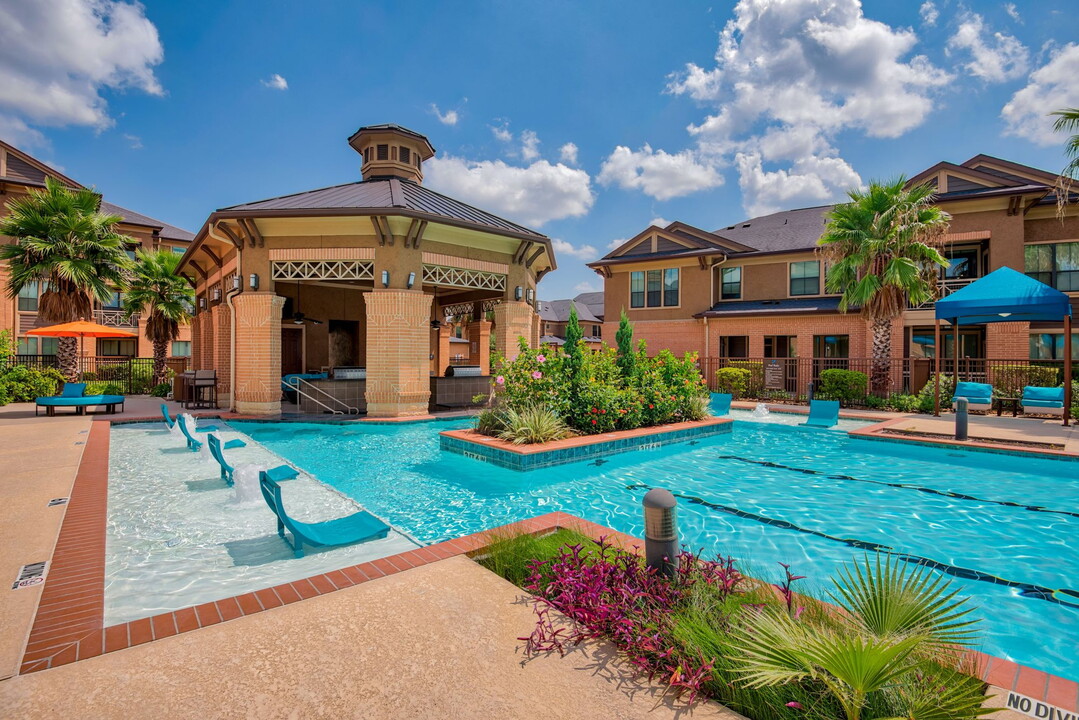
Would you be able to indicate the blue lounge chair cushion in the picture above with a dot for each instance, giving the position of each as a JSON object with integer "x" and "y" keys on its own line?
{"x": 974, "y": 392}
{"x": 237, "y": 443}
{"x": 73, "y": 390}
{"x": 84, "y": 401}
{"x": 1032, "y": 394}
{"x": 1043, "y": 403}
{"x": 823, "y": 413}
{"x": 721, "y": 404}
{"x": 282, "y": 472}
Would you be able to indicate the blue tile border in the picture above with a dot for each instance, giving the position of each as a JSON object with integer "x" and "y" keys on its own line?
{"x": 562, "y": 456}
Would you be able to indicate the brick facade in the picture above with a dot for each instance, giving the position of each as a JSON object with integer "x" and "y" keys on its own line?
{"x": 398, "y": 350}
{"x": 258, "y": 353}
{"x": 513, "y": 320}
{"x": 222, "y": 349}
{"x": 479, "y": 345}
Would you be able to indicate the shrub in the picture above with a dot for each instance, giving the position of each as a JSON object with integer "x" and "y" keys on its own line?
{"x": 925, "y": 395}
{"x": 536, "y": 424}
{"x": 733, "y": 380}
{"x": 1009, "y": 380}
{"x": 755, "y": 386}
{"x": 874, "y": 402}
{"x": 903, "y": 403}
{"x": 161, "y": 390}
{"x": 847, "y": 386}
{"x": 103, "y": 388}
{"x": 511, "y": 555}
{"x": 24, "y": 384}
{"x": 490, "y": 422}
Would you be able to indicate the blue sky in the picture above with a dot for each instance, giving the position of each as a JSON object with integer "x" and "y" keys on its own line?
{"x": 586, "y": 121}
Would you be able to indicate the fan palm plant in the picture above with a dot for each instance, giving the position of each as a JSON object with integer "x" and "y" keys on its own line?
{"x": 897, "y": 626}
{"x": 65, "y": 245}
{"x": 1067, "y": 121}
{"x": 884, "y": 251}
{"x": 158, "y": 289}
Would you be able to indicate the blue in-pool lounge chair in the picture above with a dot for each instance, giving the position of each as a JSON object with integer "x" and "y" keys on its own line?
{"x": 72, "y": 396}
{"x": 979, "y": 395}
{"x": 1043, "y": 400}
{"x": 169, "y": 420}
{"x": 358, "y": 527}
{"x": 192, "y": 444}
{"x": 721, "y": 404}
{"x": 823, "y": 413}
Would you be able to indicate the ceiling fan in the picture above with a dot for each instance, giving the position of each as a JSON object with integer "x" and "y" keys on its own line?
{"x": 298, "y": 318}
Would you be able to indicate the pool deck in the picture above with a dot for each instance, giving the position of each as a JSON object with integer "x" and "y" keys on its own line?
{"x": 380, "y": 646}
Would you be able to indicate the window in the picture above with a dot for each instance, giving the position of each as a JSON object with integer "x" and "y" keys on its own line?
{"x": 405, "y": 155}
{"x": 730, "y": 283}
{"x": 636, "y": 289}
{"x": 181, "y": 348}
{"x": 670, "y": 287}
{"x": 367, "y": 154}
{"x": 831, "y": 346}
{"x": 653, "y": 288}
{"x": 1050, "y": 346}
{"x": 36, "y": 346}
{"x": 805, "y": 278}
{"x": 963, "y": 264}
{"x": 595, "y": 331}
{"x": 382, "y": 152}
{"x": 28, "y": 300}
{"x": 1055, "y": 265}
{"x": 179, "y": 250}
{"x": 130, "y": 254}
{"x": 115, "y": 301}
{"x": 734, "y": 346}
{"x": 122, "y": 348}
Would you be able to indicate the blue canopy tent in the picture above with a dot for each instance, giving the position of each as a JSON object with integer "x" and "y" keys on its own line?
{"x": 1005, "y": 295}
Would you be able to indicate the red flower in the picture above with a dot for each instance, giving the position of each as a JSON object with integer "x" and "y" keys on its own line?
{"x": 651, "y": 406}
{"x": 593, "y": 421}
{"x": 602, "y": 412}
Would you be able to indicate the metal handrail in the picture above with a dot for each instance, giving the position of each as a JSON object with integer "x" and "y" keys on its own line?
{"x": 297, "y": 381}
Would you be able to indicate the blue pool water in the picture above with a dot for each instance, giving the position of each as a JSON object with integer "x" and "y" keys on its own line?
{"x": 1000, "y": 525}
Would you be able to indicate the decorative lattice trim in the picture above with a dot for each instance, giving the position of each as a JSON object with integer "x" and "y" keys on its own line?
{"x": 459, "y": 277}
{"x": 323, "y": 270}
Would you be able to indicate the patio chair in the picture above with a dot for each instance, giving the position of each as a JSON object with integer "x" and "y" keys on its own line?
{"x": 823, "y": 413}
{"x": 1043, "y": 400}
{"x": 721, "y": 404}
{"x": 217, "y": 452}
{"x": 358, "y": 527}
{"x": 979, "y": 395}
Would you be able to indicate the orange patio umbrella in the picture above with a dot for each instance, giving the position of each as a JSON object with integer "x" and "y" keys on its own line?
{"x": 81, "y": 329}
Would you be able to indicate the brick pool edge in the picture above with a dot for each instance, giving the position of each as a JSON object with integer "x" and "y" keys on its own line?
{"x": 68, "y": 625}
{"x": 582, "y": 447}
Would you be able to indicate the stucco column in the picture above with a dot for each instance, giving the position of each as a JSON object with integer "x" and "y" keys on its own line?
{"x": 479, "y": 345}
{"x": 398, "y": 353}
{"x": 513, "y": 320}
{"x": 222, "y": 350}
{"x": 258, "y": 353}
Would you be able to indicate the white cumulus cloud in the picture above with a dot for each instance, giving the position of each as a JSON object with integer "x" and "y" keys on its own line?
{"x": 1013, "y": 12}
{"x": 275, "y": 82}
{"x": 568, "y": 153}
{"x": 810, "y": 181}
{"x": 529, "y": 145}
{"x": 587, "y": 286}
{"x": 57, "y": 56}
{"x": 929, "y": 13}
{"x": 1053, "y": 86}
{"x": 994, "y": 56}
{"x": 449, "y": 117}
{"x": 586, "y": 253}
{"x": 658, "y": 173}
{"x": 533, "y": 195}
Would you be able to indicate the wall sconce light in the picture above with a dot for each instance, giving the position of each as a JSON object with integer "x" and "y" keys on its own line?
{"x": 235, "y": 282}
{"x": 253, "y": 281}
{"x": 385, "y": 278}
{"x": 436, "y": 324}
{"x": 411, "y": 280}
{"x": 202, "y": 303}
{"x": 217, "y": 294}
{"x": 531, "y": 294}
{"x": 518, "y": 292}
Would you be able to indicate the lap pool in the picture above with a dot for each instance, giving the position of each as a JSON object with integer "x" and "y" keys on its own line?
{"x": 1003, "y": 527}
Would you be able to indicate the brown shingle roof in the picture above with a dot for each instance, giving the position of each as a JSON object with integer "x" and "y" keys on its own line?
{"x": 169, "y": 232}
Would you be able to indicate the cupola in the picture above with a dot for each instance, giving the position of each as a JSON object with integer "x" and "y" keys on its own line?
{"x": 391, "y": 151}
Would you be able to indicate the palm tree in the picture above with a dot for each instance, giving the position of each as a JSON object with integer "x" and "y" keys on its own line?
{"x": 1067, "y": 121}
{"x": 884, "y": 249}
{"x": 157, "y": 288}
{"x": 66, "y": 246}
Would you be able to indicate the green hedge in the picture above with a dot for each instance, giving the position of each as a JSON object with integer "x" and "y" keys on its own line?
{"x": 847, "y": 386}
{"x": 733, "y": 380}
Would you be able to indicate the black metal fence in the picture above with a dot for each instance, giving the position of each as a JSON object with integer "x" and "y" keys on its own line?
{"x": 121, "y": 375}
{"x": 788, "y": 378}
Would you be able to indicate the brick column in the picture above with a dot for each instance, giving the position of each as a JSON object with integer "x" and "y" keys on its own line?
{"x": 222, "y": 350}
{"x": 513, "y": 320}
{"x": 442, "y": 358}
{"x": 479, "y": 345}
{"x": 196, "y": 341}
{"x": 398, "y": 353}
{"x": 257, "y": 385}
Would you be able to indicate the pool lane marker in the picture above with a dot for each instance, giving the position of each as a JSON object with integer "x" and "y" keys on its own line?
{"x": 1028, "y": 590}
{"x": 902, "y": 486}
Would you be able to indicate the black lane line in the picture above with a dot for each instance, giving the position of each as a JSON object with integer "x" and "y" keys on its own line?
{"x": 902, "y": 486}
{"x": 1028, "y": 590}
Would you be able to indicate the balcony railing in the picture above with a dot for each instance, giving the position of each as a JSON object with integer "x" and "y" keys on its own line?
{"x": 116, "y": 319}
{"x": 947, "y": 287}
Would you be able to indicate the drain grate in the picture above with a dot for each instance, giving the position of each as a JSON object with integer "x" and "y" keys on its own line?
{"x": 30, "y": 575}
{"x": 57, "y": 501}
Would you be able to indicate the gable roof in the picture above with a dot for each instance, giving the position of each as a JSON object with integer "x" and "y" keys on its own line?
{"x": 169, "y": 232}
{"x": 593, "y": 301}
{"x": 558, "y": 311}
{"x": 783, "y": 231}
{"x": 384, "y": 194}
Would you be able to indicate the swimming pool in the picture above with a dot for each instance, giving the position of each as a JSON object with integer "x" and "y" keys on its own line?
{"x": 1002, "y": 526}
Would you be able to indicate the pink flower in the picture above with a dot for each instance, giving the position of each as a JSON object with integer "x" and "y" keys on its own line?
{"x": 536, "y": 375}
{"x": 541, "y": 358}
{"x": 795, "y": 705}
{"x": 500, "y": 380}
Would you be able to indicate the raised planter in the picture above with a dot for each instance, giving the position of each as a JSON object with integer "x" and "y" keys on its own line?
{"x": 585, "y": 447}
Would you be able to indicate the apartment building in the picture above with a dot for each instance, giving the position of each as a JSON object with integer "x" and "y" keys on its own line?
{"x": 755, "y": 289}
{"x": 19, "y": 174}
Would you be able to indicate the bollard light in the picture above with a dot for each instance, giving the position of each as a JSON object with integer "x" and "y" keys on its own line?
{"x": 660, "y": 531}
{"x": 961, "y": 418}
